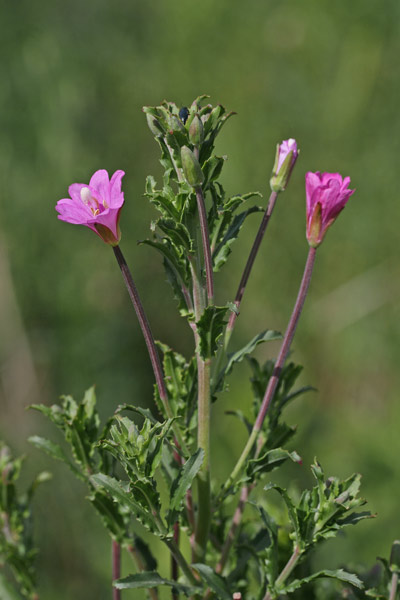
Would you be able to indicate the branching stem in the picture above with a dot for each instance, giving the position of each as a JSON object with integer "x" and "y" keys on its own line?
{"x": 288, "y": 568}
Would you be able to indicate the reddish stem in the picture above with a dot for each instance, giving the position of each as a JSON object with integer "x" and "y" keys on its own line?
{"x": 116, "y": 568}
{"x": 250, "y": 261}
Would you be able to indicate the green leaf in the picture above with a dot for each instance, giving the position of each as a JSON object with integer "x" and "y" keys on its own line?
{"x": 182, "y": 483}
{"x": 223, "y": 249}
{"x": 114, "y": 519}
{"x": 214, "y": 581}
{"x": 210, "y": 327}
{"x": 176, "y": 261}
{"x": 151, "y": 579}
{"x": 292, "y": 511}
{"x": 55, "y": 451}
{"x": 338, "y": 574}
{"x": 269, "y": 461}
{"x": 125, "y": 499}
{"x": 269, "y": 335}
{"x": 144, "y": 412}
{"x": 177, "y": 233}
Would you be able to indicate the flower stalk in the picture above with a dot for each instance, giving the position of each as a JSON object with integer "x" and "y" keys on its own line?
{"x": 280, "y": 361}
{"x": 149, "y": 339}
{"x": 249, "y": 265}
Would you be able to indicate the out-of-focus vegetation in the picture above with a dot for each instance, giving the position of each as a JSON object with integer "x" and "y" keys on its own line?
{"x": 74, "y": 76}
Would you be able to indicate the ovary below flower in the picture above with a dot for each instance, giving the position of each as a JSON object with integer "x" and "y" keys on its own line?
{"x": 96, "y": 205}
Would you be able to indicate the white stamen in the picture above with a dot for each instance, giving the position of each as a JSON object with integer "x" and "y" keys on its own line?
{"x": 86, "y": 196}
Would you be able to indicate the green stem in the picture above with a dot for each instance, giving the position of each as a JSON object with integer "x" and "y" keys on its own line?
{"x": 202, "y": 528}
{"x": 288, "y": 568}
{"x": 149, "y": 339}
{"x": 203, "y": 478}
{"x": 180, "y": 559}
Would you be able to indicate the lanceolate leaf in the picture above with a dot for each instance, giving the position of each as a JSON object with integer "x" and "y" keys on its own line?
{"x": 126, "y": 500}
{"x": 339, "y": 574}
{"x": 269, "y": 461}
{"x": 55, "y": 451}
{"x": 214, "y": 581}
{"x": 269, "y": 335}
{"x": 223, "y": 249}
{"x": 182, "y": 484}
{"x": 210, "y": 327}
{"x": 292, "y": 511}
{"x": 151, "y": 579}
{"x": 176, "y": 262}
{"x": 111, "y": 515}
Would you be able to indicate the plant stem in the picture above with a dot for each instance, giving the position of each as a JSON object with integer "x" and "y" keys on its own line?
{"x": 280, "y": 361}
{"x": 203, "y": 393}
{"x": 249, "y": 265}
{"x": 116, "y": 568}
{"x": 393, "y": 586}
{"x": 180, "y": 559}
{"x": 149, "y": 339}
{"x": 288, "y": 338}
{"x": 288, "y": 568}
{"x": 206, "y": 245}
{"x": 203, "y": 478}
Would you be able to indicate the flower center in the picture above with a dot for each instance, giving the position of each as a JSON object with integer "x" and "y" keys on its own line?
{"x": 91, "y": 202}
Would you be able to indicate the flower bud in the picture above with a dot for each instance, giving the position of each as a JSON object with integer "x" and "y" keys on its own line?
{"x": 191, "y": 167}
{"x": 285, "y": 158}
{"x": 176, "y": 124}
{"x": 154, "y": 125}
{"x": 196, "y": 131}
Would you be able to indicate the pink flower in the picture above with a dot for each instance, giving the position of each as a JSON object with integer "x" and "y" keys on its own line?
{"x": 285, "y": 158}
{"x": 97, "y": 205}
{"x": 327, "y": 195}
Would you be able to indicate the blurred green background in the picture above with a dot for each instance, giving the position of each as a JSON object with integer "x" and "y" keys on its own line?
{"x": 74, "y": 76}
